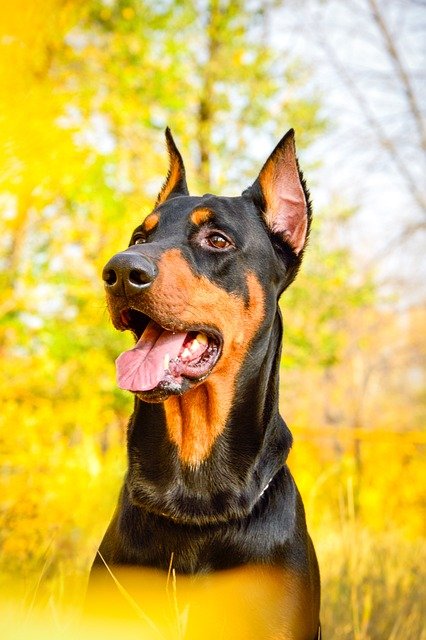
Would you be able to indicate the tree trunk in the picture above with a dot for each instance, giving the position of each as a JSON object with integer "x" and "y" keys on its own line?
{"x": 206, "y": 107}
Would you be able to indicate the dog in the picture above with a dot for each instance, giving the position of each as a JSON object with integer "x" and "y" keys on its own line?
{"x": 207, "y": 487}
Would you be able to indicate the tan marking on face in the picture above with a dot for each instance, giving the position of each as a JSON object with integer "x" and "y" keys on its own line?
{"x": 195, "y": 419}
{"x": 201, "y": 216}
{"x": 150, "y": 222}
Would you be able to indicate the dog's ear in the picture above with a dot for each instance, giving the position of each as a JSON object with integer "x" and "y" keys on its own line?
{"x": 282, "y": 195}
{"x": 175, "y": 183}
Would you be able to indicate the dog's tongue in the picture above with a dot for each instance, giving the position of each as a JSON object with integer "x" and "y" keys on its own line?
{"x": 142, "y": 368}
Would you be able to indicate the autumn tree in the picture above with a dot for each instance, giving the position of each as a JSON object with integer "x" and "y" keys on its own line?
{"x": 86, "y": 96}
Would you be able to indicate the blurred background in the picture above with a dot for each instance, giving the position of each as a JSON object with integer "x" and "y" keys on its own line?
{"x": 86, "y": 90}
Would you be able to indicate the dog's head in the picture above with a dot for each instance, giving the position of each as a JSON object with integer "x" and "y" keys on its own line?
{"x": 202, "y": 275}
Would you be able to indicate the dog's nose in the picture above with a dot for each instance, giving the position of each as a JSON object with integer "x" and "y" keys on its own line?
{"x": 129, "y": 273}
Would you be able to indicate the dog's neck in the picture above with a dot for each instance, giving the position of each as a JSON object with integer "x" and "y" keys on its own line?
{"x": 166, "y": 442}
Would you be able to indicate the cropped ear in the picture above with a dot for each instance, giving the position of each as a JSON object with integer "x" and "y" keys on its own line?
{"x": 283, "y": 195}
{"x": 175, "y": 183}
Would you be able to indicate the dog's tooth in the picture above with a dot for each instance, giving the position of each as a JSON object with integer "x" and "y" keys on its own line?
{"x": 202, "y": 338}
{"x": 166, "y": 361}
{"x": 186, "y": 354}
{"x": 194, "y": 345}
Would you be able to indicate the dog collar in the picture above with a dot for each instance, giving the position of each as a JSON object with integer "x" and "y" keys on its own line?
{"x": 165, "y": 515}
{"x": 265, "y": 487}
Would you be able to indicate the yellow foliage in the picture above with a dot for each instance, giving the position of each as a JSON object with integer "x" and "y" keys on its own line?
{"x": 62, "y": 420}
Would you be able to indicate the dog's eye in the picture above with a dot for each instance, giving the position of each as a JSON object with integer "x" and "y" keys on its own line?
{"x": 139, "y": 238}
{"x": 218, "y": 241}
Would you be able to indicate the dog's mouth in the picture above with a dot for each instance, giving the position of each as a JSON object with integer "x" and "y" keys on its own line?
{"x": 165, "y": 360}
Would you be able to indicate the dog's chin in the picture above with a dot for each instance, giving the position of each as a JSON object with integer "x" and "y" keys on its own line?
{"x": 168, "y": 388}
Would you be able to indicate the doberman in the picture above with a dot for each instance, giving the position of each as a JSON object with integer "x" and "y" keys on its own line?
{"x": 207, "y": 482}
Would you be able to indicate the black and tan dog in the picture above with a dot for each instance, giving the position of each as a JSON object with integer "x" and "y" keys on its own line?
{"x": 207, "y": 483}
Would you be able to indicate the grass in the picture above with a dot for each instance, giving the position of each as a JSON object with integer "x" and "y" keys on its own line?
{"x": 373, "y": 588}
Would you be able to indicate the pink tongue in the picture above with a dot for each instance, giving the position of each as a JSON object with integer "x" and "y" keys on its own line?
{"x": 142, "y": 368}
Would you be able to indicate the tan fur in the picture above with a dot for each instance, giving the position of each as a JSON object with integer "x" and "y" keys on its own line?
{"x": 171, "y": 181}
{"x": 267, "y": 181}
{"x": 150, "y": 222}
{"x": 201, "y": 216}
